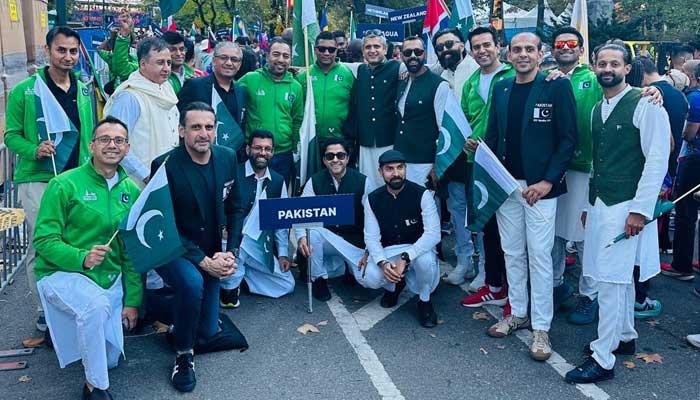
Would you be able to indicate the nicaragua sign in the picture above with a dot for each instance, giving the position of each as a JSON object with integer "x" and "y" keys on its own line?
{"x": 326, "y": 210}
{"x": 407, "y": 15}
{"x": 392, "y": 32}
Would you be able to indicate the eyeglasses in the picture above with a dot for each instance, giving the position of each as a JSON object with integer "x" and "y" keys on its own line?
{"x": 447, "y": 45}
{"x": 225, "y": 59}
{"x": 326, "y": 49}
{"x": 104, "y": 140}
{"x": 339, "y": 155}
{"x": 417, "y": 52}
{"x": 261, "y": 149}
{"x": 559, "y": 44}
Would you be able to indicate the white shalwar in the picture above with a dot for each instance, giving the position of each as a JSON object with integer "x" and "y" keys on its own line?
{"x": 612, "y": 267}
{"x": 423, "y": 273}
{"x": 85, "y": 323}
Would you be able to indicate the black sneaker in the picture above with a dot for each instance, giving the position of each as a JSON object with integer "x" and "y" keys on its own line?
{"x": 228, "y": 298}
{"x": 623, "y": 348}
{"x": 390, "y": 299}
{"x": 183, "y": 373}
{"x": 589, "y": 372}
{"x": 320, "y": 289}
{"x": 426, "y": 314}
{"x": 41, "y": 324}
{"x": 96, "y": 394}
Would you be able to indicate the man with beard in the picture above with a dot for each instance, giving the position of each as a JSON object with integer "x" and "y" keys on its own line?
{"x": 532, "y": 131}
{"x": 200, "y": 176}
{"x": 52, "y": 95}
{"x": 341, "y": 42}
{"x": 276, "y": 104}
{"x": 457, "y": 65}
{"x": 419, "y": 98}
{"x": 332, "y": 86}
{"x": 265, "y": 274}
{"x": 489, "y": 284}
{"x": 631, "y": 143}
{"x": 402, "y": 228}
{"x": 331, "y": 247}
{"x": 219, "y": 90}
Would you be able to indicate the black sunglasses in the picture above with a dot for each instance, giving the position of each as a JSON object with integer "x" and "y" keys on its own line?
{"x": 417, "y": 52}
{"x": 447, "y": 45}
{"x": 326, "y": 49}
{"x": 339, "y": 155}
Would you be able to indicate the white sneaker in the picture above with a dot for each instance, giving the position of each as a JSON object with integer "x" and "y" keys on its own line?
{"x": 457, "y": 276}
{"x": 541, "y": 348}
{"x": 478, "y": 282}
{"x": 694, "y": 340}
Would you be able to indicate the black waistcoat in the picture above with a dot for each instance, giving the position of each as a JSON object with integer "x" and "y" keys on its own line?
{"x": 376, "y": 96}
{"x": 352, "y": 183}
{"x": 400, "y": 219}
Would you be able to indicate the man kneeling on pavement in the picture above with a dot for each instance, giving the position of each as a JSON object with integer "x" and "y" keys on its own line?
{"x": 87, "y": 285}
{"x": 402, "y": 228}
{"x": 329, "y": 248}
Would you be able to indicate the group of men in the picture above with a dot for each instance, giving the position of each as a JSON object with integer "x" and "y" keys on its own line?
{"x": 588, "y": 153}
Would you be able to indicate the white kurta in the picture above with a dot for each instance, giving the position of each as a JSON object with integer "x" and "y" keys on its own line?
{"x": 615, "y": 264}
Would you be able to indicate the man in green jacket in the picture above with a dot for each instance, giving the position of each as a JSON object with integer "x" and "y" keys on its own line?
{"x": 332, "y": 85}
{"x": 49, "y": 126}
{"x": 87, "y": 284}
{"x": 276, "y": 104}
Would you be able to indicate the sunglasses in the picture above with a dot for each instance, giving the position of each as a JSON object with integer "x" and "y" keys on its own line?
{"x": 559, "y": 44}
{"x": 447, "y": 45}
{"x": 417, "y": 52}
{"x": 339, "y": 155}
{"x": 325, "y": 49}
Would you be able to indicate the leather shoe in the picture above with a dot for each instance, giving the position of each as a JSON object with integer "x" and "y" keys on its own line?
{"x": 96, "y": 394}
{"x": 426, "y": 314}
{"x": 623, "y": 348}
{"x": 390, "y": 299}
{"x": 589, "y": 372}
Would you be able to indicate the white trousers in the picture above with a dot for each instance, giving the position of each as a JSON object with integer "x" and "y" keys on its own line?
{"x": 30, "y": 194}
{"x": 586, "y": 285}
{"x": 422, "y": 277}
{"x": 527, "y": 236}
{"x": 329, "y": 254}
{"x": 260, "y": 280}
{"x": 85, "y": 323}
{"x": 418, "y": 173}
{"x": 615, "y": 320}
{"x": 369, "y": 164}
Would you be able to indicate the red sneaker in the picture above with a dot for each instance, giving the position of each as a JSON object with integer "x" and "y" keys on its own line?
{"x": 485, "y": 296}
{"x": 506, "y": 309}
{"x": 570, "y": 260}
{"x": 696, "y": 267}
{"x": 668, "y": 270}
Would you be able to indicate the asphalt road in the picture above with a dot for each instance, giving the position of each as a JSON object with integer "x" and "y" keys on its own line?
{"x": 363, "y": 352}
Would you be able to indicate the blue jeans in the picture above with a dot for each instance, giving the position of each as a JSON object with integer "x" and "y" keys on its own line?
{"x": 196, "y": 303}
{"x": 283, "y": 164}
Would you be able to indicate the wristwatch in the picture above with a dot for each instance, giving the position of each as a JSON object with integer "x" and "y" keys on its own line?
{"x": 404, "y": 256}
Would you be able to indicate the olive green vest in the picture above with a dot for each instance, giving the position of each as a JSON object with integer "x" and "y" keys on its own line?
{"x": 618, "y": 160}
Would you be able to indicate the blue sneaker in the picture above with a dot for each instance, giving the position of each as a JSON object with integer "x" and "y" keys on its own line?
{"x": 649, "y": 309}
{"x": 585, "y": 312}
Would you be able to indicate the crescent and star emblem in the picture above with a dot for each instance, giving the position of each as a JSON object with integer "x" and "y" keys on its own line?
{"x": 141, "y": 225}
{"x": 484, "y": 194}
{"x": 447, "y": 142}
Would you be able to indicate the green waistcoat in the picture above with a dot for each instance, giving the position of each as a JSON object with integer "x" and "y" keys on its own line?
{"x": 618, "y": 160}
{"x": 376, "y": 94}
{"x": 417, "y": 130}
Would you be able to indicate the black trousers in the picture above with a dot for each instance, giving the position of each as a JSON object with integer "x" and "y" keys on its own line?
{"x": 686, "y": 214}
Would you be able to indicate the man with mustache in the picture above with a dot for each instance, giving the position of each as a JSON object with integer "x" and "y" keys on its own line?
{"x": 532, "y": 130}
{"x": 264, "y": 273}
{"x": 631, "y": 144}
{"x": 50, "y": 102}
{"x": 419, "y": 98}
{"x": 276, "y": 104}
{"x": 402, "y": 228}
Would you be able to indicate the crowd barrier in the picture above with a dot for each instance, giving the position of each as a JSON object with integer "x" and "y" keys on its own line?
{"x": 13, "y": 241}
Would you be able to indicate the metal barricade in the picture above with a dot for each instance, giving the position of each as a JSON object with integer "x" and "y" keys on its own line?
{"x": 13, "y": 241}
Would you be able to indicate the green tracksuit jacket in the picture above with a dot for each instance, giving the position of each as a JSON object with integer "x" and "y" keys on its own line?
{"x": 276, "y": 106}
{"x": 331, "y": 98}
{"x": 77, "y": 212}
{"x": 22, "y": 137}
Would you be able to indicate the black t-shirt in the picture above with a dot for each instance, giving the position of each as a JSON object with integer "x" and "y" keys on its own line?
{"x": 516, "y": 108}
{"x": 69, "y": 101}
{"x": 676, "y": 106}
{"x": 208, "y": 241}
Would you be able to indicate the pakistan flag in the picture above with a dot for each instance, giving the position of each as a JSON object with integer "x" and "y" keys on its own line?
{"x": 52, "y": 123}
{"x": 149, "y": 231}
{"x": 304, "y": 18}
{"x": 462, "y": 17}
{"x": 228, "y": 132}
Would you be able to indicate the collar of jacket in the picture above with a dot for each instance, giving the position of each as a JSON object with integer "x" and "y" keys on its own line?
{"x": 92, "y": 173}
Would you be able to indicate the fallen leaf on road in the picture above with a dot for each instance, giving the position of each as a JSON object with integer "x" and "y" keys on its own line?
{"x": 25, "y": 378}
{"x": 159, "y": 327}
{"x": 652, "y": 322}
{"x": 501, "y": 346}
{"x": 650, "y": 357}
{"x": 480, "y": 316}
{"x": 33, "y": 342}
{"x": 306, "y": 328}
{"x": 629, "y": 364}
{"x": 483, "y": 350}
{"x": 322, "y": 323}
{"x": 432, "y": 335}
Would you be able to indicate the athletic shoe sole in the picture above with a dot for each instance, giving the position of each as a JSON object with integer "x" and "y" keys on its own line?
{"x": 495, "y": 302}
